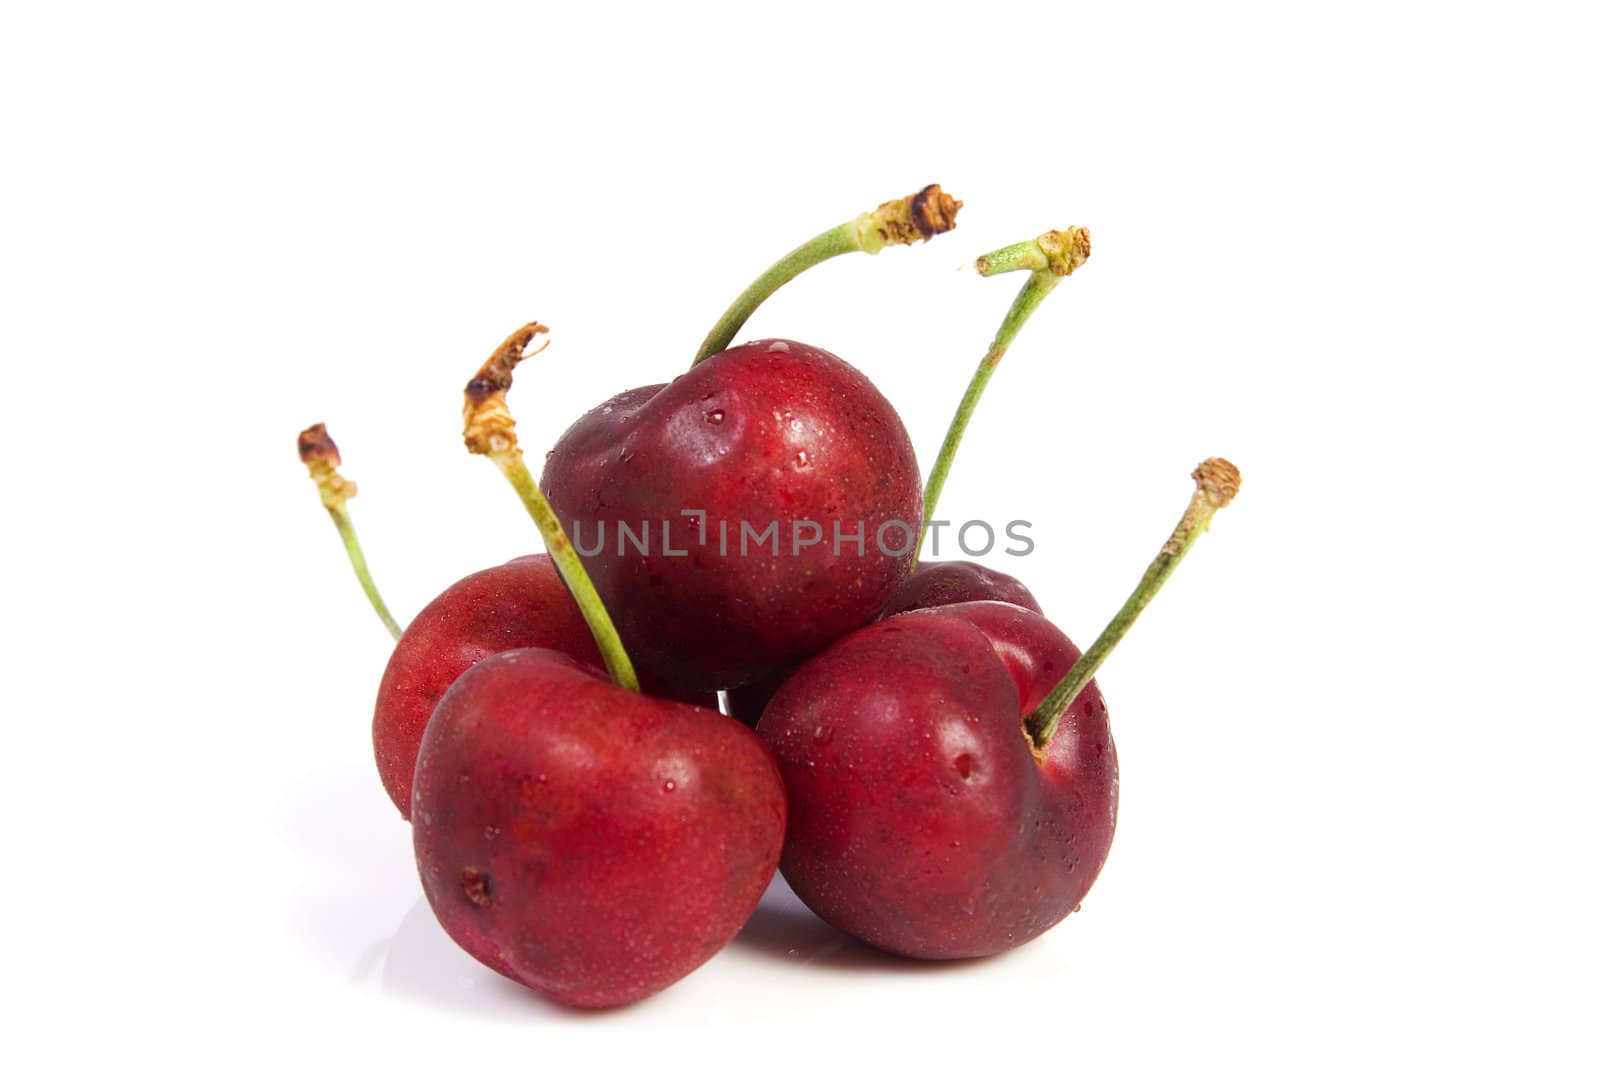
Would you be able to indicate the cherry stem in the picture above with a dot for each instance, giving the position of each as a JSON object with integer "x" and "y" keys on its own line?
{"x": 1048, "y": 258}
{"x": 1216, "y": 482}
{"x": 918, "y": 217}
{"x": 491, "y": 431}
{"x": 321, "y": 457}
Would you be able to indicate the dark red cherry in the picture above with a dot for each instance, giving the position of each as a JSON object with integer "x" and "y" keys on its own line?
{"x": 593, "y": 843}
{"x": 745, "y": 515}
{"x": 921, "y": 818}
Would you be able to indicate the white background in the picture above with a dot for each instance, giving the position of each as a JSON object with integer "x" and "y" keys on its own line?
{"x": 1351, "y": 247}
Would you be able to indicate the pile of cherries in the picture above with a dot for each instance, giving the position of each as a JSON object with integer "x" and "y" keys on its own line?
{"x": 919, "y": 750}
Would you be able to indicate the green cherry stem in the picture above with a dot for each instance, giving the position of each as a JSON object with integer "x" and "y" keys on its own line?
{"x": 321, "y": 457}
{"x": 918, "y": 217}
{"x": 491, "y": 431}
{"x": 1216, "y": 482}
{"x": 1048, "y": 258}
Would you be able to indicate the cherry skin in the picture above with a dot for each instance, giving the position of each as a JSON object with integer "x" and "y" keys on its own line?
{"x": 520, "y": 604}
{"x": 933, "y": 584}
{"x": 768, "y": 432}
{"x": 959, "y": 581}
{"x": 592, "y": 843}
{"x": 920, "y": 820}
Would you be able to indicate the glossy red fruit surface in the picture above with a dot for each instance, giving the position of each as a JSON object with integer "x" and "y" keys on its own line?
{"x": 768, "y": 433}
{"x": 519, "y": 604}
{"x": 919, "y": 818}
{"x": 592, "y": 843}
{"x": 938, "y": 582}
{"x": 933, "y": 584}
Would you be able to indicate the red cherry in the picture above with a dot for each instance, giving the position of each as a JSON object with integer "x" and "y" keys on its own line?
{"x": 592, "y": 843}
{"x": 920, "y": 820}
{"x": 761, "y": 437}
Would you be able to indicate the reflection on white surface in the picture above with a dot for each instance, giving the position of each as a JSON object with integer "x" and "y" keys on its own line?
{"x": 422, "y": 965}
{"x": 783, "y": 928}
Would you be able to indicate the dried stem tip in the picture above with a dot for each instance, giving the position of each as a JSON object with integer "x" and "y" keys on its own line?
{"x": 1218, "y": 480}
{"x": 490, "y": 430}
{"x": 1065, "y": 250}
{"x": 1058, "y": 251}
{"x": 918, "y": 217}
{"x": 321, "y": 457}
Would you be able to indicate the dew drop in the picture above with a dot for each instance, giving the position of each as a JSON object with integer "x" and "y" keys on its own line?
{"x": 715, "y": 417}
{"x": 668, "y": 786}
{"x": 801, "y": 459}
{"x": 778, "y": 346}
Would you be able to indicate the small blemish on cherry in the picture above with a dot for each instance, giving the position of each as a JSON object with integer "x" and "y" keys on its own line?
{"x": 475, "y": 884}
